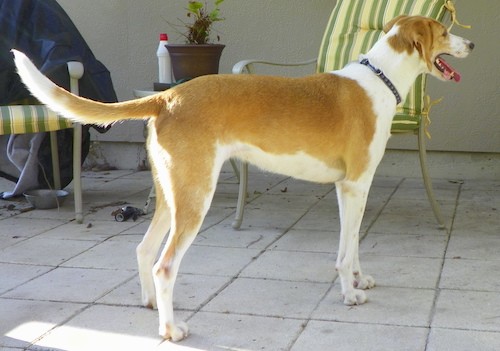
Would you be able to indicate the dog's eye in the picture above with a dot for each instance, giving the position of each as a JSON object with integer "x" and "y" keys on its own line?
{"x": 445, "y": 34}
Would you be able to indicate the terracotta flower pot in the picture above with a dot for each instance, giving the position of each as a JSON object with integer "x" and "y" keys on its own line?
{"x": 191, "y": 61}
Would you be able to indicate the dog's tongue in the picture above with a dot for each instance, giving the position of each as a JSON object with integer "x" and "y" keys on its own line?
{"x": 448, "y": 72}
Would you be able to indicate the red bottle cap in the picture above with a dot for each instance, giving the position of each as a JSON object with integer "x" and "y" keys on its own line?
{"x": 163, "y": 36}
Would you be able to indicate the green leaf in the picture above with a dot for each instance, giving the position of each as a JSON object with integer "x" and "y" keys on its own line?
{"x": 194, "y": 6}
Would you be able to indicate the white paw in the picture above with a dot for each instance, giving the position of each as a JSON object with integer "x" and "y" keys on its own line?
{"x": 149, "y": 302}
{"x": 354, "y": 297}
{"x": 174, "y": 332}
{"x": 364, "y": 282}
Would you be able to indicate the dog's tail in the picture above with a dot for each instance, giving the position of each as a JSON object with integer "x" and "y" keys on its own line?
{"x": 80, "y": 109}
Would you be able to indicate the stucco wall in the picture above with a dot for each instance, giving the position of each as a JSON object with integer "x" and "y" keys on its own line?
{"x": 123, "y": 35}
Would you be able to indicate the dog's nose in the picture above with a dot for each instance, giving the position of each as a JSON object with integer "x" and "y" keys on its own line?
{"x": 471, "y": 45}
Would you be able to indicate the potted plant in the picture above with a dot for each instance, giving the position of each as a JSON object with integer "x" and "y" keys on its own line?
{"x": 198, "y": 56}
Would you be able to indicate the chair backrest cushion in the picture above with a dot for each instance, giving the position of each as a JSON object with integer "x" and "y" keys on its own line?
{"x": 355, "y": 26}
{"x": 21, "y": 119}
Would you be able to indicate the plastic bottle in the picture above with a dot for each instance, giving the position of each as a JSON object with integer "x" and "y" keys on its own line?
{"x": 164, "y": 64}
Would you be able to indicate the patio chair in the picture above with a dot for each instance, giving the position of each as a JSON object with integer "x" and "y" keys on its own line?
{"x": 23, "y": 119}
{"x": 353, "y": 28}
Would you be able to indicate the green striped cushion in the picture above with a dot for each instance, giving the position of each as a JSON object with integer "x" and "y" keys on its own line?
{"x": 355, "y": 26}
{"x": 21, "y": 119}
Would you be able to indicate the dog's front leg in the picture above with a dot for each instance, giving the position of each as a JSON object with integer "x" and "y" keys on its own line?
{"x": 352, "y": 198}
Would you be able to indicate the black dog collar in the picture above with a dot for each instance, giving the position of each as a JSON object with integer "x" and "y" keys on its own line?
{"x": 382, "y": 76}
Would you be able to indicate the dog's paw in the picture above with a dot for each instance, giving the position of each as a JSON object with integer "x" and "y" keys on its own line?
{"x": 354, "y": 297}
{"x": 174, "y": 332}
{"x": 149, "y": 302}
{"x": 364, "y": 282}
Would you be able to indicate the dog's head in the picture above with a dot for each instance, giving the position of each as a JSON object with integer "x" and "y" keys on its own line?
{"x": 432, "y": 40}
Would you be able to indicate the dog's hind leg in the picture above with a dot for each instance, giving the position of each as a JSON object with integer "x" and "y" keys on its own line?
{"x": 192, "y": 184}
{"x": 352, "y": 198}
{"x": 147, "y": 250}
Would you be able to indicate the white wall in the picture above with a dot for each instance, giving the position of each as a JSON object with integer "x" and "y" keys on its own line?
{"x": 123, "y": 35}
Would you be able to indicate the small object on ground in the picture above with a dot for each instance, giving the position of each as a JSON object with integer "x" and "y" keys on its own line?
{"x": 45, "y": 198}
{"x": 124, "y": 213}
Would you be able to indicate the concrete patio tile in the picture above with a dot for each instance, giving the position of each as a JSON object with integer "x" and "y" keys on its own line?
{"x": 294, "y": 187}
{"x": 116, "y": 253}
{"x": 477, "y": 219}
{"x": 491, "y": 185}
{"x": 308, "y": 241}
{"x": 403, "y": 245}
{"x": 190, "y": 291}
{"x": 225, "y": 200}
{"x": 44, "y": 251}
{"x": 28, "y": 320}
{"x": 16, "y": 229}
{"x": 404, "y": 223}
{"x": 320, "y": 335}
{"x": 216, "y": 331}
{"x": 106, "y": 328}
{"x": 70, "y": 285}
{"x": 16, "y": 274}
{"x": 474, "y": 247}
{"x": 414, "y": 189}
{"x": 272, "y": 202}
{"x": 385, "y": 305}
{"x": 408, "y": 272}
{"x": 140, "y": 227}
{"x": 95, "y": 230}
{"x": 414, "y": 210}
{"x": 480, "y": 194}
{"x": 462, "y": 340}
{"x": 219, "y": 261}
{"x": 216, "y": 215}
{"x": 294, "y": 266}
{"x": 224, "y": 235}
{"x": 271, "y": 298}
{"x": 277, "y": 218}
{"x": 468, "y": 310}
{"x": 64, "y": 214}
{"x": 465, "y": 274}
{"x": 320, "y": 219}
{"x": 122, "y": 187}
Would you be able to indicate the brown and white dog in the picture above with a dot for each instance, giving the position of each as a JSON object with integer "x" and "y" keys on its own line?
{"x": 330, "y": 127}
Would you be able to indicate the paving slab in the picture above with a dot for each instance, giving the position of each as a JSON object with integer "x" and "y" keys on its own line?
{"x": 270, "y": 298}
{"x": 70, "y": 284}
{"x": 462, "y": 340}
{"x": 321, "y": 335}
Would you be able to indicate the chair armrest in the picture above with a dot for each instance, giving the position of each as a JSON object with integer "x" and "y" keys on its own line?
{"x": 247, "y": 65}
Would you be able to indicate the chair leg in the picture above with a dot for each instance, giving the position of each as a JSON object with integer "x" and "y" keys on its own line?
{"x": 151, "y": 196}
{"x": 77, "y": 171}
{"x": 75, "y": 70}
{"x": 427, "y": 179}
{"x": 56, "y": 173}
{"x": 235, "y": 169}
{"x": 242, "y": 195}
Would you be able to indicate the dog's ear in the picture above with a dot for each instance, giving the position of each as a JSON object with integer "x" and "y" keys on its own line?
{"x": 415, "y": 33}
{"x": 388, "y": 26}
{"x": 423, "y": 36}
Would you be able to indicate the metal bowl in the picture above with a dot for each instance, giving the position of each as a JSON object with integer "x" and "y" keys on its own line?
{"x": 46, "y": 198}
